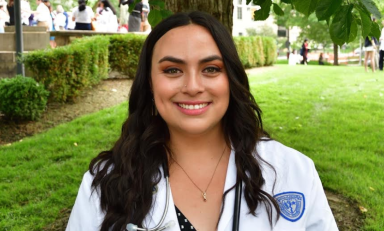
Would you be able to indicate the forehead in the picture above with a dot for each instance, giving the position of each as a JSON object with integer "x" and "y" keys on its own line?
{"x": 188, "y": 41}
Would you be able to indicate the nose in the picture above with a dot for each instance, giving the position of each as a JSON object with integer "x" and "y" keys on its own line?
{"x": 193, "y": 83}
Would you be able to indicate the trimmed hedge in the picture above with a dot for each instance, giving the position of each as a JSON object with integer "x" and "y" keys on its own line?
{"x": 124, "y": 52}
{"x": 256, "y": 51}
{"x": 22, "y": 98}
{"x": 66, "y": 71}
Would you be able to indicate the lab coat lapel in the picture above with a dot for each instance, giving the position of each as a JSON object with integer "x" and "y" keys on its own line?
{"x": 230, "y": 181}
{"x": 159, "y": 200}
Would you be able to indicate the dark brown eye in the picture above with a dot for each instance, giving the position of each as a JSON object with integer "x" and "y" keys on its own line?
{"x": 172, "y": 71}
{"x": 211, "y": 70}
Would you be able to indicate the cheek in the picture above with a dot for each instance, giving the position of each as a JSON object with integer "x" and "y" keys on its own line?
{"x": 162, "y": 91}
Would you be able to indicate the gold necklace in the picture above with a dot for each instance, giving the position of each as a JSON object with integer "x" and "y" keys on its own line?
{"x": 203, "y": 193}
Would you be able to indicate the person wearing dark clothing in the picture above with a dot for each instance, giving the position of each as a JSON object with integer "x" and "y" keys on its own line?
{"x": 11, "y": 12}
{"x": 135, "y": 18}
{"x": 304, "y": 52}
{"x": 381, "y": 59}
{"x": 321, "y": 59}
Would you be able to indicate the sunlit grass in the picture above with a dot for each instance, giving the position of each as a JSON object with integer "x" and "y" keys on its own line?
{"x": 335, "y": 115}
{"x": 40, "y": 175}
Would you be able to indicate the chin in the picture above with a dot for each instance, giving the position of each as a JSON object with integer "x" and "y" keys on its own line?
{"x": 196, "y": 130}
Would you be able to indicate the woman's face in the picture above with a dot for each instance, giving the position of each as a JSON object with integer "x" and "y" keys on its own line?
{"x": 189, "y": 81}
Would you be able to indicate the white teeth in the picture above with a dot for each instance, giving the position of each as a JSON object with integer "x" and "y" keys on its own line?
{"x": 193, "y": 107}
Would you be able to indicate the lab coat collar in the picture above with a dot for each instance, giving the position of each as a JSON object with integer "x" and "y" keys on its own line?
{"x": 230, "y": 181}
{"x": 159, "y": 197}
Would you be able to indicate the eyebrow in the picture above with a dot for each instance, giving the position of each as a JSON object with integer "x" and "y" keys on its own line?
{"x": 180, "y": 61}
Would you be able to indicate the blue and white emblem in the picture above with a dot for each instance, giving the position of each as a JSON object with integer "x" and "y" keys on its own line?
{"x": 292, "y": 205}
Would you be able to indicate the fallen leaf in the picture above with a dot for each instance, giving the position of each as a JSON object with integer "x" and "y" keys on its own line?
{"x": 20, "y": 140}
{"x": 372, "y": 189}
{"x": 362, "y": 209}
{"x": 8, "y": 144}
{"x": 75, "y": 144}
{"x": 114, "y": 90}
{"x": 297, "y": 118}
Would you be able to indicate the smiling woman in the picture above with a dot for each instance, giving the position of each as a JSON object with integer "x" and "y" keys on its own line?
{"x": 190, "y": 88}
{"x": 193, "y": 135}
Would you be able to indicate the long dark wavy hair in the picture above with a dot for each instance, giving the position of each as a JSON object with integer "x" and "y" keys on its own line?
{"x": 126, "y": 175}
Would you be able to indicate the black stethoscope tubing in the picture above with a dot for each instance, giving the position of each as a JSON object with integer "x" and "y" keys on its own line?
{"x": 236, "y": 211}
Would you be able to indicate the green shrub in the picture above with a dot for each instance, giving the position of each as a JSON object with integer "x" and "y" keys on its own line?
{"x": 22, "y": 98}
{"x": 270, "y": 50}
{"x": 67, "y": 71}
{"x": 124, "y": 52}
{"x": 256, "y": 51}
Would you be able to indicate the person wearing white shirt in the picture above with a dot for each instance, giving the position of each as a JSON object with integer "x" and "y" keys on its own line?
{"x": 42, "y": 14}
{"x": 4, "y": 16}
{"x": 294, "y": 58}
{"x": 60, "y": 18}
{"x": 106, "y": 19}
{"x": 381, "y": 58}
{"x": 83, "y": 16}
{"x": 25, "y": 12}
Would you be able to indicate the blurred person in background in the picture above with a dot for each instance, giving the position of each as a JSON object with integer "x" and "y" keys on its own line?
{"x": 60, "y": 20}
{"x": 42, "y": 15}
{"x": 381, "y": 58}
{"x": 25, "y": 12}
{"x": 304, "y": 52}
{"x": 83, "y": 16}
{"x": 124, "y": 14}
{"x": 52, "y": 41}
{"x": 370, "y": 51}
{"x": 11, "y": 12}
{"x": 4, "y": 16}
{"x": 106, "y": 19}
{"x": 145, "y": 26}
{"x": 135, "y": 18}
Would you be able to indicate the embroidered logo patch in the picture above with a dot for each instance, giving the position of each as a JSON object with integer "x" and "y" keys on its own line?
{"x": 292, "y": 205}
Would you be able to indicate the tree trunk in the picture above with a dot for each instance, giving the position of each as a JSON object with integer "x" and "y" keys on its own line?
{"x": 335, "y": 55}
{"x": 222, "y": 10}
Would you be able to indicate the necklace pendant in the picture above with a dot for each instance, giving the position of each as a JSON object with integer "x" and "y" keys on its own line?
{"x": 204, "y": 194}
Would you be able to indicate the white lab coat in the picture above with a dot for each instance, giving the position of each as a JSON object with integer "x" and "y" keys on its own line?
{"x": 295, "y": 173}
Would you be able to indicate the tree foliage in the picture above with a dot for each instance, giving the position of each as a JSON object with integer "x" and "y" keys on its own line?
{"x": 341, "y": 18}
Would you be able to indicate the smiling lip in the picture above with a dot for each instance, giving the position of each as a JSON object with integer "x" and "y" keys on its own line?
{"x": 193, "y": 108}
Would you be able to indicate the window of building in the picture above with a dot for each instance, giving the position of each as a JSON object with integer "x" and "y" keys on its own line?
{"x": 281, "y": 31}
{"x": 239, "y": 13}
{"x": 240, "y": 2}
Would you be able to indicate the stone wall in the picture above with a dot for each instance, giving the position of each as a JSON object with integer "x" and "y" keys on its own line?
{"x": 34, "y": 38}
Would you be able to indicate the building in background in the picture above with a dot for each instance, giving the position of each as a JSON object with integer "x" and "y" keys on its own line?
{"x": 244, "y": 25}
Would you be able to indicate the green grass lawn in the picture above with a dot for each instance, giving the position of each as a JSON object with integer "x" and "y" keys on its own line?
{"x": 335, "y": 115}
